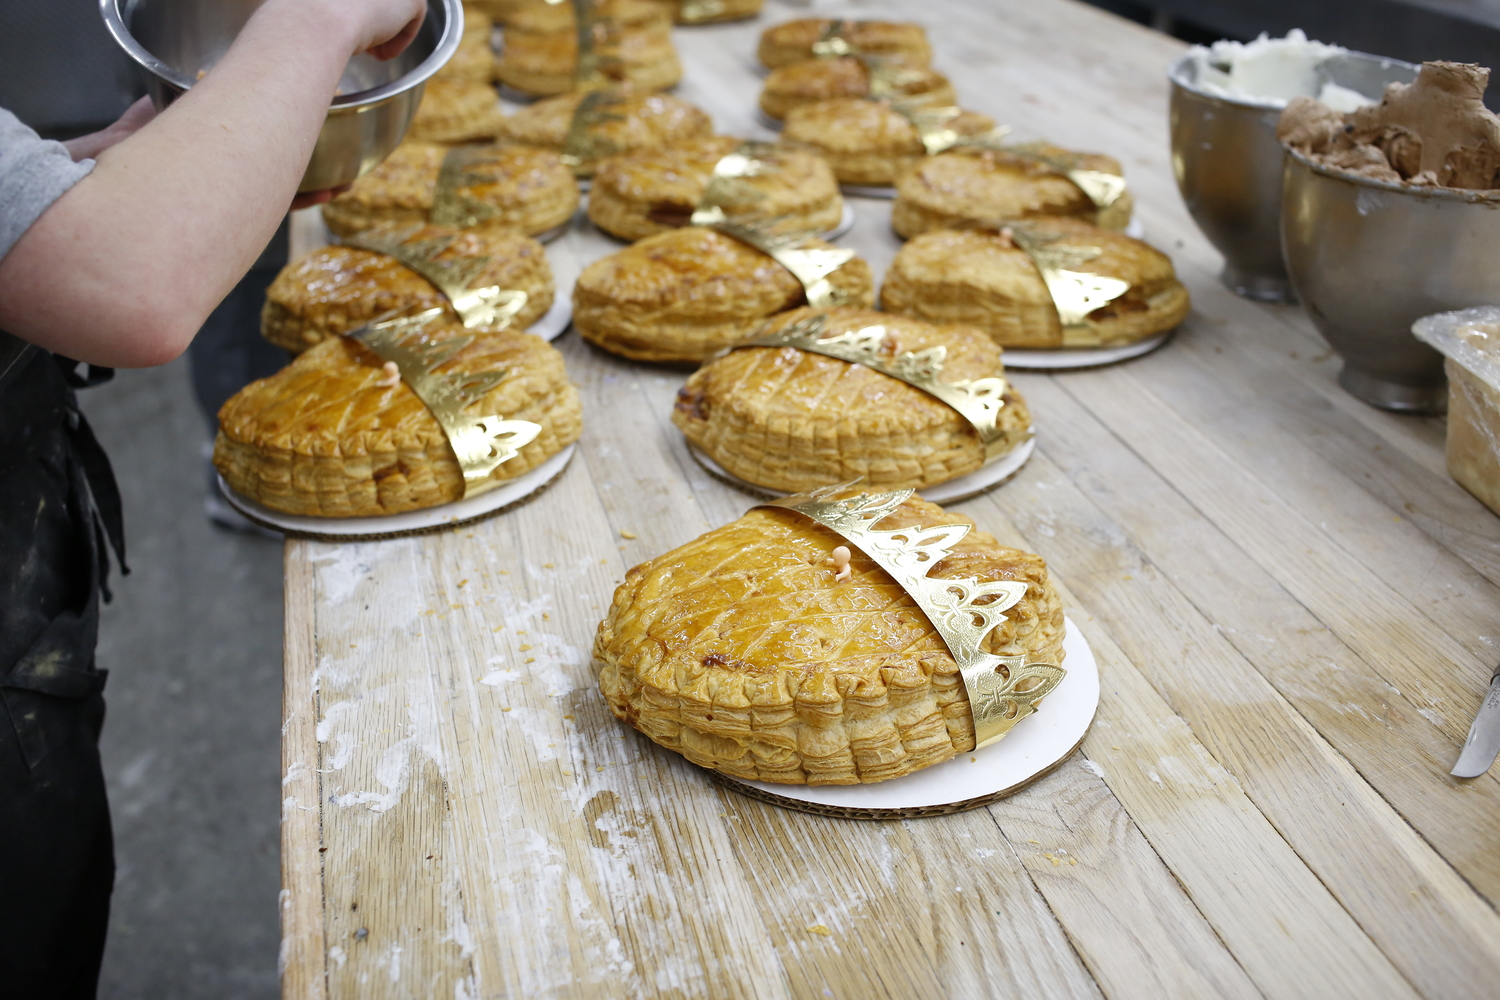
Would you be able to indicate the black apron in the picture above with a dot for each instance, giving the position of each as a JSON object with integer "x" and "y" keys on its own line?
{"x": 59, "y": 510}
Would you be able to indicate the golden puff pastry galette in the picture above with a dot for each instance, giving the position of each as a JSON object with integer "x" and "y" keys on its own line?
{"x": 959, "y": 189}
{"x": 457, "y": 110}
{"x": 790, "y": 420}
{"x": 985, "y": 279}
{"x": 744, "y": 651}
{"x": 335, "y": 435}
{"x": 683, "y": 294}
{"x": 544, "y": 62}
{"x": 650, "y": 191}
{"x": 608, "y": 124}
{"x": 334, "y": 289}
{"x": 793, "y": 41}
{"x": 867, "y": 142}
{"x": 515, "y": 188}
{"x": 815, "y": 80}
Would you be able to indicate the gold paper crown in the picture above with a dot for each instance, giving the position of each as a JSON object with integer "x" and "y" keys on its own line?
{"x": 1002, "y": 690}
{"x": 727, "y": 182}
{"x": 481, "y": 444}
{"x": 809, "y": 265}
{"x": 452, "y": 205}
{"x": 489, "y": 307}
{"x": 698, "y": 11}
{"x": 1075, "y": 293}
{"x": 596, "y": 69}
{"x": 1103, "y": 189}
{"x": 584, "y": 143}
{"x": 979, "y": 401}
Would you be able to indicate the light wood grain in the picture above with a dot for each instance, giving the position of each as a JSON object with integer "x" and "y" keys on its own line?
{"x": 1288, "y": 599}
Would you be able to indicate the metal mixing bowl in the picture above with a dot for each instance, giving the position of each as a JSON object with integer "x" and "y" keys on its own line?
{"x": 1368, "y": 258}
{"x": 173, "y": 41}
{"x": 1228, "y": 165}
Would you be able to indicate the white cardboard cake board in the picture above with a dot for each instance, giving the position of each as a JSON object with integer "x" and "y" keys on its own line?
{"x": 953, "y": 491}
{"x": 1034, "y": 747}
{"x": 1088, "y": 357}
{"x": 412, "y": 522}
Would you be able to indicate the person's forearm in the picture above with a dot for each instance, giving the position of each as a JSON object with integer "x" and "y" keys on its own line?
{"x": 171, "y": 217}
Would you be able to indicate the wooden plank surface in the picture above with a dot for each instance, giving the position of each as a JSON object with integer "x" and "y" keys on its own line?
{"x": 1294, "y": 611}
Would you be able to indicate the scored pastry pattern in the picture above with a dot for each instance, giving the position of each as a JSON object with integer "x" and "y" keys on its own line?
{"x": 809, "y": 265}
{"x": 481, "y": 444}
{"x": 978, "y": 401}
{"x": 1002, "y": 690}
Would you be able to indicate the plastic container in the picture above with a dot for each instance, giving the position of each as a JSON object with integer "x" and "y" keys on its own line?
{"x": 1470, "y": 342}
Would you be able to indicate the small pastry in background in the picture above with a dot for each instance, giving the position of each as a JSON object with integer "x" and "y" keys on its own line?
{"x": 544, "y": 63}
{"x": 983, "y": 279}
{"x": 457, "y": 110}
{"x": 335, "y": 289}
{"x": 815, "y": 80}
{"x": 516, "y": 188}
{"x": 475, "y": 58}
{"x": 651, "y": 191}
{"x": 792, "y": 420}
{"x": 793, "y": 41}
{"x": 626, "y": 122}
{"x": 711, "y": 11}
{"x": 961, "y": 189}
{"x": 683, "y": 294}
{"x": 867, "y": 142}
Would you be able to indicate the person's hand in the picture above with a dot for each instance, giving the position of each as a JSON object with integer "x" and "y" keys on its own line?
{"x": 384, "y": 28}
{"x": 87, "y": 147}
{"x": 308, "y": 199}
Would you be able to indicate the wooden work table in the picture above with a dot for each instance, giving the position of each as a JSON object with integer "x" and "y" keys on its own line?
{"x": 1294, "y": 609}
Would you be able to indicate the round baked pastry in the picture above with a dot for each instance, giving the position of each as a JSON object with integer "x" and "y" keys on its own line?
{"x": 793, "y": 41}
{"x": 626, "y": 123}
{"x": 867, "y": 142}
{"x": 711, "y": 11}
{"x": 962, "y": 189}
{"x": 983, "y": 279}
{"x": 792, "y": 420}
{"x": 475, "y": 59}
{"x": 332, "y": 435}
{"x": 539, "y": 15}
{"x": 335, "y": 289}
{"x": 681, "y": 295}
{"x": 653, "y": 190}
{"x": 501, "y": 11}
{"x": 745, "y": 653}
{"x": 544, "y": 62}
{"x": 814, "y": 80}
{"x": 457, "y": 111}
{"x": 515, "y": 188}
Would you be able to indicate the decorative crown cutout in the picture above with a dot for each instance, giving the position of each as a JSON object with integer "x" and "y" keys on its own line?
{"x": 932, "y": 121}
{"x": 1002, "y": 690}
{"x": 809, "y": 265}
{"x": 698, "y": 11}
{"x": 489, "y": 307}
{"x": 727, "y": 184}
{"x": 1075, "y": 293}
{"x": 1103, "y": 189}
{"x": 598, "y": 66}
{"x": 452, "y": 205}
{"x": 585, "y": 143}
{"x": 481, "y": 444}
{"x": 979, "y": 401}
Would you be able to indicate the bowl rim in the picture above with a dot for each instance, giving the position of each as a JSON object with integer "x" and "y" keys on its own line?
{"x": 447, "y": 45}
{"x": 1473, "y": 196}
{"x": 1176, "y": 76}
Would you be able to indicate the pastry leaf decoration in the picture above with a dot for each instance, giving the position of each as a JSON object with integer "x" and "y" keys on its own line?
{"x": 1002, "y": 690}
{"x": 979, "y": 401}
{"x": 480, "y": 443}
{"x": 487, "y": 308}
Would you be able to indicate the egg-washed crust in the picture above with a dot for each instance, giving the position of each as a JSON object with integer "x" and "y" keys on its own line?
{"x": 741, "y": 651}
{"x": 639, "y": 121}
{"x": 679, "y": 296}
{"x": 728, "y": 10}
{"x": 794, "y": 420}
{"x": 543, "y": 62}
{"x": 654, "y": 190}
{"x": 814, "y": 80}
{"x": 475, "y": 59}
{"x": 539, "y": 16}
{"x": 866, "y": 142}
{"x": 455, "y": 111}
{"x": 959, "y": 189}
{"x": 983, "y": 279}
{"x": 334, "y": 289}
{"x": 531, "y": 188}
{"x": 792, "y": 41}
{"x": 323, "y": 437}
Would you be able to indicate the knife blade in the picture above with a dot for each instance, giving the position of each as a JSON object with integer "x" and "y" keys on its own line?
{"x": 1484, "y": 736}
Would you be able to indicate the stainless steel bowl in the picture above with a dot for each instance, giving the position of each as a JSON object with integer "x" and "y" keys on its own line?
{"x": 1368, "y": 258}
{"x": 1228, "y": 166}
{"x": 172, "y": 41}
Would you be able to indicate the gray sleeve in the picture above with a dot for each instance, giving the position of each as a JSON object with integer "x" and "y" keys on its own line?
{"x": 34, "y": 173}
